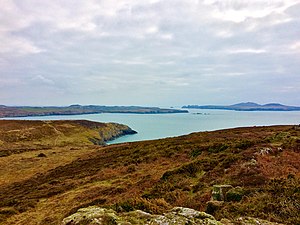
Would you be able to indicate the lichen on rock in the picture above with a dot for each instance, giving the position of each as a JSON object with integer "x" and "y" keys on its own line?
{"x": 91, "y": 216}
{"x": 177, "y": 216}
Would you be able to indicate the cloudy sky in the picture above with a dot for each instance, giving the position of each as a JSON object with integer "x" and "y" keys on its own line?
{"x": 149, "y": 52}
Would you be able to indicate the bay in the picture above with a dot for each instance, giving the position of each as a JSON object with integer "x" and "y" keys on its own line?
{"x": 155, "y": 126}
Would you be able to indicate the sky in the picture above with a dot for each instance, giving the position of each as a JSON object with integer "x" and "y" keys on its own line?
{"x": 149, "y": 52}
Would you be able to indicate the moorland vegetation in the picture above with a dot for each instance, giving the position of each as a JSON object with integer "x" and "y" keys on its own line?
{"x": 48, "y": 171}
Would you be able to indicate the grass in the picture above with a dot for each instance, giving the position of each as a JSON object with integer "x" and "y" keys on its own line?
{"x": 153, "y": 175}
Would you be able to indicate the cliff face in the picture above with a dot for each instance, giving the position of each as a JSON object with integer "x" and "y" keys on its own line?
{"x": 112, "y": 131}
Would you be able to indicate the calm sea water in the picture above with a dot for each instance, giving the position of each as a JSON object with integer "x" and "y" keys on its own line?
{"x": 168, "y": 125}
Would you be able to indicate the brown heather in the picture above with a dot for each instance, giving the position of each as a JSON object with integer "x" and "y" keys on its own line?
{"x": 153, "y": 176}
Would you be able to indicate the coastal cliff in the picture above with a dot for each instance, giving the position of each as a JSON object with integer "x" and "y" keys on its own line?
{"x": 24, "y": 135}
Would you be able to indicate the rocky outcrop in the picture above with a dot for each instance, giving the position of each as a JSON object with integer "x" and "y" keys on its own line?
{"x": 223, "y": 193}
{"x": 180, "y": 216}
{"x": 254, "y": 221}
{"x": 114, "y": 131}
{"x": 94, "y": 215}
{"x": 227, "y": 193}
{"x": 219, "y": 192}
{"x": 110, "y": 132}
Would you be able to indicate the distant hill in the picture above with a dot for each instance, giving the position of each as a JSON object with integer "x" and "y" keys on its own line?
{"x": 23, "y": 111}
{"x": 247, "y": 106}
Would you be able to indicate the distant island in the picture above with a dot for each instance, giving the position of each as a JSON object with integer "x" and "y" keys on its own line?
{"x": 247, "y": 106}
{"x": 24, "y": 111}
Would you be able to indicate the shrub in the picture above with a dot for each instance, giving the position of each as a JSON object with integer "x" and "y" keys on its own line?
{"x": 4, "y": 153}
{"x": 41, "y": 155}
{"x": 218, "y": 147}
{"x": 234, "y": 194}
{"x": 131, "y": 169}
{"x": 188, "y": 169}
{"x": 197, "y": 151}
{"x": 8, "y": 211}
{"x": 229, "y": 160}
{"x": 244, "y": 144}
{"x": 213, "y": 206}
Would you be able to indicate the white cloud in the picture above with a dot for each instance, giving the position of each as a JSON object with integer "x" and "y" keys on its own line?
{"x": 17, "y": 46}
{"x": 43, "y": 80}
{"x": 224, "y": 33}
{"x": 238, "y": 11}
{"x": 246, "y": 51}
{"x": 131, "y": 62}
{"x": 295, "y": 46}
{"x": 166, "y": 36}
{"x": 152, "y": 30}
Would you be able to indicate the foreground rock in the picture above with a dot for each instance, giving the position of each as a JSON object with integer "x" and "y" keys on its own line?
{"x": 94, "y": 215}
{"x": 177, "y": 216}
{"x": 254, "y": 221}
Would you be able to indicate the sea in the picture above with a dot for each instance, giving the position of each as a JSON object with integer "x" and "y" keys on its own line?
{"x": 157, "y": 126}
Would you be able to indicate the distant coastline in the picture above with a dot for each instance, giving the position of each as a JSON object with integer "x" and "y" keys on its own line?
{"x": 25, "y": 111}
{"x": 247, "y": 106}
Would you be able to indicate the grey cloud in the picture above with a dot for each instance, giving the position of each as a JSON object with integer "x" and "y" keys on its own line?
{"x": 92, "y": 52}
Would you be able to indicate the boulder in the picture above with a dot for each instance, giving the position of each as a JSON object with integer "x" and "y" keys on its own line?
{"x": 219, "y": 192}
{"x": 94, "y": 215}
{"x": 254, "y": 221}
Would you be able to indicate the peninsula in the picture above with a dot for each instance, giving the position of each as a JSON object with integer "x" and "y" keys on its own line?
{"x": 23, "y": 111}
{"x": 247, "y": 106}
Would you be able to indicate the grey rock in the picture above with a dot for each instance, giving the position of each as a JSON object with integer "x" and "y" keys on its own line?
{"x": 94, "y": 215}
{"x": 177, "y": 216}
{"x": 219, "y": 192}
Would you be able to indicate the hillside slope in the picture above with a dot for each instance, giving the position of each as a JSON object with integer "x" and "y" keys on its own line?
{"x": 19, "y": 135}
{"x": 28, "y": 147}
{"x": 261, "y": 163}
